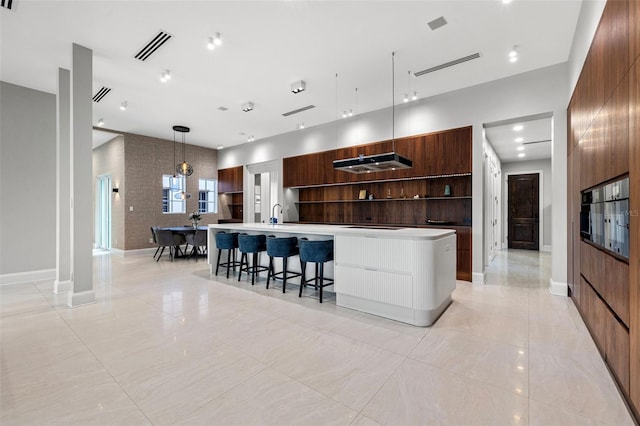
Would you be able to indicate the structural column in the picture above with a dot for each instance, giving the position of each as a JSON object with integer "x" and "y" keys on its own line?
{"x": 81, "y": 291}
{"x": 63, "y": 184}
{"x": 558, "y": 281}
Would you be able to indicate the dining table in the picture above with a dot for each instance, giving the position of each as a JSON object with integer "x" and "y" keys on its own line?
{"x": 183, "y": 230}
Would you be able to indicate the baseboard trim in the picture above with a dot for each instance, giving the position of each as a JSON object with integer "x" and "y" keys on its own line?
{"x": 479, "y": 278}
{"x": 81, "y": 298}
{"x": 558, "y": 289}
{"x": 124, "y": 253}
{"x": 23, "y": 277}
{"x": 61, "y": 286}
{"x": 546, "y": 249}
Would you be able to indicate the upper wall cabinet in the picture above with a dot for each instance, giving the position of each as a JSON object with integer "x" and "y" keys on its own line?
{"x": 440, "y": 153}
{"x": 230, "y": 180}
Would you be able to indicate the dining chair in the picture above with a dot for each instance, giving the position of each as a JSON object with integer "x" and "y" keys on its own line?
{"x": 165, "y": 238}
{"x": 197, "y": 239}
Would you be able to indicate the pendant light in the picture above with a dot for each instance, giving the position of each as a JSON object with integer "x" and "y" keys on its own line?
{"x": 184, "y": 168}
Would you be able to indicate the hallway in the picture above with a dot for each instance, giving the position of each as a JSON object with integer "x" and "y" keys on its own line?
{"x": 165, "y": 344}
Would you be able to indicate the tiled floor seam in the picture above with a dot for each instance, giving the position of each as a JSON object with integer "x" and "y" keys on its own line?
{"x": 102, "y": 366}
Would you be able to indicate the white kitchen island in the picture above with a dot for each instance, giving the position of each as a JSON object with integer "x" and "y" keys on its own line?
{"x": 405, "y": 274}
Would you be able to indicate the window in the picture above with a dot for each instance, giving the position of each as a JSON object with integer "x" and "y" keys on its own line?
{"x": 207, "y": 196}
{"x": 172, "y": 187}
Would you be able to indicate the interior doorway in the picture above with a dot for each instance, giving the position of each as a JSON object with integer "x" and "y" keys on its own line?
{"x": 103, "y": 212}
{"x": 523, "y": 211}
{"x": 263, "y": 190}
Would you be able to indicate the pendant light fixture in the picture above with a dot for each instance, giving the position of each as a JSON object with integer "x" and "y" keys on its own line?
{"x": 378, "y": 162}
{"x": 184, "y": 168}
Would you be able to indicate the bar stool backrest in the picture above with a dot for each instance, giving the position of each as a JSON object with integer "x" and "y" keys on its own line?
{"x": 316, "y": 251}
{"x": 282, "y": 247}
{"x": 252, "y": 243}
{"x": 224, "y": 240}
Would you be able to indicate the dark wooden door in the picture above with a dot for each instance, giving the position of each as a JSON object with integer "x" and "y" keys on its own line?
{"x": 524, "y": 220}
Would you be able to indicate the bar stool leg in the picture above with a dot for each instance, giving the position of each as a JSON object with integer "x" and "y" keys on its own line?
{"x": 218, "y": 264}
{"x": 228, "y": 260}
{"x": 243, "y": 257}
{"x": 303, "y": 267}
{"x": 270, "y": 270}
{"x": 321, "y": 279}
{"x": 284, "y": 274}
{"x": 254, "y": 271}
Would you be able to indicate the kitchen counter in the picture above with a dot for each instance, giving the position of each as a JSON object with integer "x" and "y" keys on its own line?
{"x": 405, "y": 274}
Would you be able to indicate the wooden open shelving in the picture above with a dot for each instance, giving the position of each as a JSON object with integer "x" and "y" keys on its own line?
{"x": 327, "y": 196}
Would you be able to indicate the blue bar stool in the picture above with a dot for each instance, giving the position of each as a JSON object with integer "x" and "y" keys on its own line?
{"x": 318, "y": 252}
{"x": 251, "y": 244}
{"x": 229, "y": 242}
{"x": 284, "y": 248}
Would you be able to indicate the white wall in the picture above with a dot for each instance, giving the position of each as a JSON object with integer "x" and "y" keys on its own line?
{"x": 520, "y": 167}
{"x": 534, "y": 92}
{"x": 27, "y": 180}
{"x": 588, "y": 20}
{"x": 492, "y": 201}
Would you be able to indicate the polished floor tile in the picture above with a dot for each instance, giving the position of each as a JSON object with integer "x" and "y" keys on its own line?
{"x": 165, "y": 344}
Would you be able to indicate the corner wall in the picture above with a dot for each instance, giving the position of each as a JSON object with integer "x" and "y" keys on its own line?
{"x": 27, "y": 180}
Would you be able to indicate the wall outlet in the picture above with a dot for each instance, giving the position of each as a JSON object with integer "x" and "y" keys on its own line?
{"x": 151, "y": 240}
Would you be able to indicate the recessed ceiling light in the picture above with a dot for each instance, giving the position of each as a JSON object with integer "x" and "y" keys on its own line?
{"x": 519, "y": 140}
{"x": 124, "y": 105}
{"x": 506, "y": 1}
{"x": 520, "y": 148}
{"x": 415, "y": 96}
{"x": 518, "y": 127}
{"x": 247, "y": 107}
{"x": 513, "y": 59}
{"x": 101, "y": 122}
{"x": 165, "y": 76}
{"x": 522, "y": 154}
{"x": 217, "y": 39}
{"x": 220, "y": 146}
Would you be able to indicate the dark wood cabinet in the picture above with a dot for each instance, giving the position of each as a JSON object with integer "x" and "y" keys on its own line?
{"x": 604, "y": 144}
{"x": 230, "y": 180}
{"x": 230, "y": 188}
{"x": 435, "y": 191}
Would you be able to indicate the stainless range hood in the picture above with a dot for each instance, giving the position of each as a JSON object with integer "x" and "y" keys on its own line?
{"x": 373, "y": 163}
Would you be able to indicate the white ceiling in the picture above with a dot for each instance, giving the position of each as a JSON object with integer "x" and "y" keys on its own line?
{"x": 267, "y": 45}
{"x": 534, "y": 138}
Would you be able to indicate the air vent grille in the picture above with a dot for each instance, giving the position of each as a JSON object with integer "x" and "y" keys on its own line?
{"x": 8, "y": 4}
{"x": 447, "y": 64}
{"x": 437, "y": 23}
{"x": 295, "y": 111}
{"x": 150, "y": 48}
{"x": 101, "y": 94}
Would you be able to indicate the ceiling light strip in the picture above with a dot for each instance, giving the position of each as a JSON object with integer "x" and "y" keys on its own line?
{"x": 161, "y": 38}
{"x": 101, "y": 94}
{"x": 447, "y": 64}
{"x": 295, "y": 111}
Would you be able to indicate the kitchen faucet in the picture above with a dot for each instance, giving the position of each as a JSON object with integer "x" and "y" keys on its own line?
{"x": 273, "y": 214}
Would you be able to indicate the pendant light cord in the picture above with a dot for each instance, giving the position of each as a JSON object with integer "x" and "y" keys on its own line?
{"x": 393, "y": 100}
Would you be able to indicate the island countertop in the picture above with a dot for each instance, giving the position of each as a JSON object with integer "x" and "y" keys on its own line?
{"x": 405, "y": 274}
{"x": 334, "y": 230}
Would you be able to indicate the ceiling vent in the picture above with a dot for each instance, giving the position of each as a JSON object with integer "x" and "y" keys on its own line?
{"x": 542, "y": 141}
{"x": 223, "y": 108}
{"x": 447, "y": 64}
{"x": 150, "y": 48}
{"x": 437, "y": 23}
{"x": 295, "y": 111}
{"x": 8, "y": 4}
{"x": 101, "y": 94}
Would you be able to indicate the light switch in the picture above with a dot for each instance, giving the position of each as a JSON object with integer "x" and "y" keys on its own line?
{"x": 130, "y": 208}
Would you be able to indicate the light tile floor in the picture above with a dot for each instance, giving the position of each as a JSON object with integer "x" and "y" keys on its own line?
{"x": 166, "y": 344}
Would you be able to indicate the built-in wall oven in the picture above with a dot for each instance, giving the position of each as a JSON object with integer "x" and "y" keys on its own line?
{"x": 604, "y": 216}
